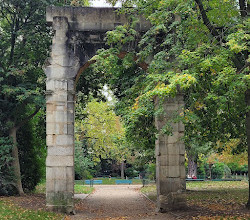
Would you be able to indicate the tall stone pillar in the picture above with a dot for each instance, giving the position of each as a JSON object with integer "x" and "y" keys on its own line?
{"x": 170, "y": 159}
{"x": 60, "y": 122}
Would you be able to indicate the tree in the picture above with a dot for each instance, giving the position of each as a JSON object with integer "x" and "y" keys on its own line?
{"x": 229, "y": 155}
{"x": 32, "y": 150}
{"x": 200, "y": 47}
{"x": 25, "y": 40}
{"x": 103, "y": 133}
{"x": 83, "y": 161}
{"x": 24, "y": 43}
{"x": 194, "y": 151}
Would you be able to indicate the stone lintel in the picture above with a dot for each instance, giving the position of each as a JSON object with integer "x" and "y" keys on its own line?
{"x": 92, "y": 19}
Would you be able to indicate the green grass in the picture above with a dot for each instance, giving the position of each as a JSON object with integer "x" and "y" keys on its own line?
{"x": 10, "y": 211}
{"x": 83, "y": 189}
{"x": 150, "y": 192}
{"x": 214, "y": 185}
{"x": 79, "y": 188}
{"x": 229, "y": 192}
{"x": 210, "y": 191}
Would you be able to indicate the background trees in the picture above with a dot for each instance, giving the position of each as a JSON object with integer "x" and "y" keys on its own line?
{"x": 24, "y": 47}
{"x": 102, "y": 134}
{"x": 201, "y": 47}
{"x": 25, "y": 39}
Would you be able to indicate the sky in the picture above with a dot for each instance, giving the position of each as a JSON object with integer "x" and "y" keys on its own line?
{"x": 101, "y": 3}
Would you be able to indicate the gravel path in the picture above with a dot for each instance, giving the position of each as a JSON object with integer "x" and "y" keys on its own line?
{"x": 117, "y": 202}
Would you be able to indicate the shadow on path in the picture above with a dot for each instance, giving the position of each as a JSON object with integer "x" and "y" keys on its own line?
{"x": 117, "y": 202}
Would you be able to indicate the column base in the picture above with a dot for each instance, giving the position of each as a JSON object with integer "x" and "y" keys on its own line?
{"x": 60, "y": 202}
{"x": 173, "y": 201}
{"x": 70, "y": 210}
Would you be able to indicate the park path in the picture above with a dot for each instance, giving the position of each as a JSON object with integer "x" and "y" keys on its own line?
{"x": 117, "y": 202}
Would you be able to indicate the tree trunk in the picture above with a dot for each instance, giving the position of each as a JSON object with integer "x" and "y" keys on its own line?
{"x": 16, "y": 164}
{"x": 192, "y": 166}
{"x": 247, "y": 100}
{"x": 122, "y": 169}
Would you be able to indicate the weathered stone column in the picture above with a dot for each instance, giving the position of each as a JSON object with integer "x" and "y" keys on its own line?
{"x": 170, "y": 159}
{"x": 60, "y": 122}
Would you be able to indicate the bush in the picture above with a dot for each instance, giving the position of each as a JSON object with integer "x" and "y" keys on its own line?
{"x": 31, "y": 152}
{"x": 86, "y": 175}
{"x": 83, "y": 164}
{"x": 234, "y": 166}
{"x": 244, "y": 168}
{"x": 131, "y": 172}
{"x": 218, "y": 170}
{"x": 201, "y": 173}
{"x": 151, "y": 171}
{"x": 7, "y": 186}
{"x": 227, "y": 171}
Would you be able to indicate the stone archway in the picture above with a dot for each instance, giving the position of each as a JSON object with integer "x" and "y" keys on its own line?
{"x": 79, "y": 32}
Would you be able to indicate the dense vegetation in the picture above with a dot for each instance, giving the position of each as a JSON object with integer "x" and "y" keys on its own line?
{"x": 200, "y": 48}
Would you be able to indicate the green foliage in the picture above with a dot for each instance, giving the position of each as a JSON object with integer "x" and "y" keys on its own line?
{"x": 183, "y": 53}
{"x": 131, "y": 172}
{"x": 24, "y": 44}
{"x": 102, "y": 131}
{"x": 151, "y": 171}
{"x": 32, "y": 151}
{"x": 201, "y": 172}
{"x": 6, "y": 173}
{"x": 83, "y": 163}
{"x": 218, "y": 170}
{"x": 236, "y": 168}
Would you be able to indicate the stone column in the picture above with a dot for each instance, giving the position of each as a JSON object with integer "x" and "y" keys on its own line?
{"x": 60, "y": 122}
{"x": 170, "y": 159}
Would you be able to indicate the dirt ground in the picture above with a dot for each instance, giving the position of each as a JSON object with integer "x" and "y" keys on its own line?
{"x": 115, "y": 202}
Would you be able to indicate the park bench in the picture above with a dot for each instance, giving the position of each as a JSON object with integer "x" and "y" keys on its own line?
{"x": 93, "y": 182}
{"x": 226, "y": 180}
{"x": 123, "y": 182}
{"x": 189, "y": 179}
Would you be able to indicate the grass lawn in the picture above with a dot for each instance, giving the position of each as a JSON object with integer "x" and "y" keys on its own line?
{"x": 213, "y": 197}
{"x": 79, "y": 188}
{"x": 205, "y": 190}
{"x": 9, "y": 210}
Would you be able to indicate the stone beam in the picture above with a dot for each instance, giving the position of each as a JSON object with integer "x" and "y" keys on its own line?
{"x": 92, "y": 19}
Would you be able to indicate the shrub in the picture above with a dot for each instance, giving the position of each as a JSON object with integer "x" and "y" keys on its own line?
{"x": 151, "y": 171}
{"x": 30, "y": 153}
{"x": 218, "y": 170}
{"x": 201, "y": 173}
{"x": 7, "y": 186}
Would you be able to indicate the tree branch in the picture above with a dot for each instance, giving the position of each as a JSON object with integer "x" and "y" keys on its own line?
{"x": 243, "y": 8}
{"x": 28, "y": 118}
{"x": 244, "y": 67}
{"x": 206, "y": 21}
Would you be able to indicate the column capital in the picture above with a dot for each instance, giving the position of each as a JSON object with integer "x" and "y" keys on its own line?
{"x": 60, "y": 23}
